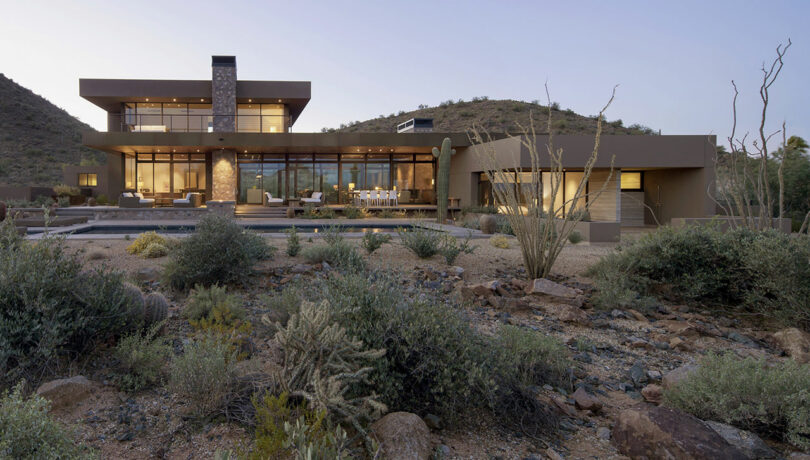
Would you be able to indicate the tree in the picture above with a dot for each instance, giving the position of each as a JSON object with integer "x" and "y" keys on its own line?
{"x": 519, "y": 194}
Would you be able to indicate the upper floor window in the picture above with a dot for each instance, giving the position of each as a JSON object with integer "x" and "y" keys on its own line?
{"x": 88, "y": 179}
{"x": 199, "y": 118}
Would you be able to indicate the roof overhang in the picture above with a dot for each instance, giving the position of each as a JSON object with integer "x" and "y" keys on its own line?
{"x": 271, "y": 143}
{"x": 110, "y": 93}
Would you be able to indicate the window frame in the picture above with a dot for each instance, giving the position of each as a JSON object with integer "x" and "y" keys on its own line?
{"x": 640, "y": 181}
{"x": 86, "y": 181}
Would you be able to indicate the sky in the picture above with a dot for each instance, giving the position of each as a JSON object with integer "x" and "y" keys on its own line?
{"x": 673, "y": 61}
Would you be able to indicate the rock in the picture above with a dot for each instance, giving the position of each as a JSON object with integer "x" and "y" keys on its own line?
{"x": 545, "y": 287}
{"x": 570, "y": 314}
{"x": 638, "y": 316}
{"x": 433, "y": 421}
{"x": 652, "y": 393}
{"x": 481, "y": 290}
{"x": 647, "y": 432}
{"x": 147, "y": 274}
{"x": 655, "y": 376}
{"x": 748, "y": 443}
{"x": 553, "y": 455}
{"x": 467, "y": 293}
{"x": 603, "y": 433}
{"x": 638, "y": 374}
{"x": 585, "y": 401}
{"x": 513, "y": 305}
{"x": 681, "y": 328}
{"x": 676, "y": 343}
{"x": 66, "y": 392}
{"x": 617, "y": 314}
{"x": 456, "y": 270}
{"x": 403, "y": 435}
{"x": 636, "y": 342}
{"x": 798, "y": 456}
{"x": 674, "y": 376}
{"x": 739, "y": 338}
{"x": 301, "y": 268}
{"x": 794, "y": 342}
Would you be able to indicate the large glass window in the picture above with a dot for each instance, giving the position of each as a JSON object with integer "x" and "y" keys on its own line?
{"x": 170, "y": 175}
{"x": 175, "y": 117}
{"x": 163, "y": 178}
{"x": 631, "y": 181}
{"x": 301, "y": 179}
{"x": 326, "y": 181}
{"x": 563, "y": 202}
{"x": 200, "y": 119}
{"x": 273, "y": 118}
{"x": 146, "y": 178}
{"x": 352, "y": 177}
{"x": 88, "y": 179}
{"x": 149, "y": 118}
{"x": 378, "y": 176}
{"x": 250, "y": 183}
{"x": 273, "y": 179}
{"x": 129, "y": 171}
{"x": 424, "y": 181}
{"x": 248, "y": 118}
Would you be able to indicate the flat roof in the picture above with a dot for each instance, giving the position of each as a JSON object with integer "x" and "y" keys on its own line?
{"x": 108, "y": 94}
{"x": 271, "y": 143}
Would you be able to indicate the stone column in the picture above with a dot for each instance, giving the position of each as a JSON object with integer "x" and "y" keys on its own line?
{"x": 223, "y": 98}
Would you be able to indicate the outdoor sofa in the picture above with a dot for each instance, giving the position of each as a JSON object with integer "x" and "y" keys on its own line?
{"x": 192, "y": 200}
{"x": 135, "y": 200}
{"x": 270, "y": 201}
{"x": 316, "y": 198}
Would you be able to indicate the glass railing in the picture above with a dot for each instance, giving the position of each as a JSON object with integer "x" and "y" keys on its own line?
{"x": 149, "y": 123}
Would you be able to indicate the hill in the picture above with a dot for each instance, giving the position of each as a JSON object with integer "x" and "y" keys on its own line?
{"x": 497, "y": 116}
{"x": 37, "y": 138}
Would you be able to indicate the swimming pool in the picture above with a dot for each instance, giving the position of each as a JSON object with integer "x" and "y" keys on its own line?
{"x": 102, "y": 229}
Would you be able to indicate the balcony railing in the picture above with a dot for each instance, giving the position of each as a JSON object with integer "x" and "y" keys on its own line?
{"x": 156, "y": 123}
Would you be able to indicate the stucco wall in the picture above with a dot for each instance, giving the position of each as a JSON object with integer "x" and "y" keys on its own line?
{"x": 606, "y": 207}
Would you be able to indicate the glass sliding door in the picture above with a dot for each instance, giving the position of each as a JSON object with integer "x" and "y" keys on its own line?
{"x": 250, "y": 183}
{"x": 424, "y": 183}
{"x": 326, "y": 181}
{"x": 378, "y": 176}
{"x": 273, "y": 179}
{"x": 301, "y": 180}
{"x": 352, "y": 177}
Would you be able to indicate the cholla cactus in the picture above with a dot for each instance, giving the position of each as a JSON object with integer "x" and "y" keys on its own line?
{"x": 156, "y": 308}
{"x": 321, "y": 362}
{"x": 443, "y": 178}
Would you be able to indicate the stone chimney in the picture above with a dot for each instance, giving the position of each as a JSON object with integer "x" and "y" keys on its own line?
{"x": 223, "y": 93}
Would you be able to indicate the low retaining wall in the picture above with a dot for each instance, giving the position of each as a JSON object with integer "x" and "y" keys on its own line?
{"x": 149, "y": 213}
{"x": 597, "y": 232}
{"x": 724, "y": 223}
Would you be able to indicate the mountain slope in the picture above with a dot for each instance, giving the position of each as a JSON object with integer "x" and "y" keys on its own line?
{"x": 494, "y": 115}
{"x": 37, "y": 138}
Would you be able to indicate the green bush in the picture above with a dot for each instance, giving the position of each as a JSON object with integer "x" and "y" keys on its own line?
{"x": 771, "y": 399}
{"x": 312, "y": 212}
{"x": 155, "y": 250}
{"x": 143, "y": 241}
{"x": 204, "y": 374}
{"x": 281, "y": 306}
{"x": 373, "y": 241}
{"x": 202, "y": 300}
{"x": 50, "y": 308}
{"x": 293, "y": 242}
{"x": 533, "y": 358}
{"x": 141, "y": 359}
{"x": 285, "y": 430}
{"x": 435, "y": 362}
{"x": 333, "y": 234}
{"x": 219, "y": 251}
{"x": 341, "y": 255}
{"x": 499, "y": 241}
{"x": 28, "y": 431}
{"x": 450, "y": 248}
{"x": 575, "y": 237}
{"x": 422, "y": 241}
{"x": 9, "y": 236}
{"x": 504, "y": 226}
{"x": 386, "y": 213}
{"x": 764, "y": 273}
{"x": 352, "y": 212}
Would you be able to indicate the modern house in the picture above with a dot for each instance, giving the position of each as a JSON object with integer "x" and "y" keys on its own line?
{"x": 232, "y": 140}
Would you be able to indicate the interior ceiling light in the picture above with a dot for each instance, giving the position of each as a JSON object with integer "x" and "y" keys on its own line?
{"x": 147, "y": 99}
{"x": 250, "y": 100}
{"x": 202, "y": 100}
{"x": 174, "y": 100}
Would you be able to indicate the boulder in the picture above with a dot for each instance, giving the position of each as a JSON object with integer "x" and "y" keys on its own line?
{"x": 748, "y": 443}
{"x": 585, "y": 401}
{"x": 66, "y": 392}
{"x": 570, "y": 314}
{"x": 647, "y": 432}
{"x": 481, "y": 289}
{"x": 403, "y": 435}
{"x": 638, "y": 316}
{"x": 671, "y": 378}
{"x": 794, "y": 342}
{"x": 557, "y": 291}
{"x": 652, "y": 393}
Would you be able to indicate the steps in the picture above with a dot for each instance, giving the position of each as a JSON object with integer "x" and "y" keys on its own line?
{"x": 261, "y": 212}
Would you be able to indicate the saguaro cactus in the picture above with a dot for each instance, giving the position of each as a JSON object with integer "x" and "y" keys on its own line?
{"x": 443, "y": 178}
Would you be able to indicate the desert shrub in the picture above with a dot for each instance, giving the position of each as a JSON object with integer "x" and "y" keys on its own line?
{"x": 66, "y": 190}
{"x": 352, "y": 212}
{"x": 293, "y": 242}
{"x": 575, "y": 237}
{"x": 763, "y": 273}
{"x": 9, "y": 236}
{"x": 219, "y": 251}
{"x": 155, "y": 250}
{"x": 143, "y": 241}
{"x": 450, "y": 248}
{"x": 580, "y": 215}
{"x": 50, "y": 308}
{"x": 102, "y": 199}
{"x": 333, "y": 234}
{"x": 422, "y": 241}
{"x": 386, "y": 214}
{"x": 202, "y": 300}
{"x": 532, "y": 357}
{"x": 28, "y": 431}
{"x": 282, "y": 305}
{"x": 504, "y": 226}
{"x": 204, "y": 374}
{"x": 63, "y": 201}
{"x": 373, "y": 241}
{"x": 336, "y": 252}
{"x": 326, "y": 213}
{"x": 141, "y": 359}
{"x": 499, "y": 241}
{"x": 435, "y": 362}
{"x": 284, "y": 429}
{"x": 322, "y": 361}
{"x": 749, "y": 394}
{"x": 478, "y": 210}
{"x": 313, "y": 212}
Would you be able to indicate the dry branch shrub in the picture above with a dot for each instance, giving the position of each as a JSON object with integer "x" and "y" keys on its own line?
{"x": 204, "y": 374}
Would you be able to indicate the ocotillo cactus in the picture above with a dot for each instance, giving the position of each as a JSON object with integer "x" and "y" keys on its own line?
{"x": 443, "y": 178}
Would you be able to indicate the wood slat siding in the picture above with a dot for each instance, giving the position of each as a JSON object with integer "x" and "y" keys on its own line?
{"x": 632, "y": 209}
{"x": 606, "y": 208}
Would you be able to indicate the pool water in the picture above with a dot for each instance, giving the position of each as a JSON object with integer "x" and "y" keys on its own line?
{"x": 306, "y": 228}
